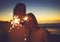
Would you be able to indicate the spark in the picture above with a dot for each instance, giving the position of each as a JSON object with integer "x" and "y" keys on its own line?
{"x": 10, "y": 28}
{"x": 25, "y": 18}
{"x": 24, "y": 38}
{"x": 15, "y": 22}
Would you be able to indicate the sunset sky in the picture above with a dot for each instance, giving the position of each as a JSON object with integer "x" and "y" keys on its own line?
{"x": 46, "y": 11}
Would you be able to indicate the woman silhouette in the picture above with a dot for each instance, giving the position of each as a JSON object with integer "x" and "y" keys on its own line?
{"x": 36, "y": 33}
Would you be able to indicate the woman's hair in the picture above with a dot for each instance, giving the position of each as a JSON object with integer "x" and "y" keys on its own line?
{"x": 33, "y": 19}
{"x": 19, "y": 8}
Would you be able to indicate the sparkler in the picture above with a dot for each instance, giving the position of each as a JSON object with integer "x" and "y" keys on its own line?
{"x": 17, "y": 23}
{"x": 26, "y": 19}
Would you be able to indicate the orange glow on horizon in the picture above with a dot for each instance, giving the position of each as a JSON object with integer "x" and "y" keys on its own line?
{"x": 42, "y": 16}
{"x": 40, "y": 20}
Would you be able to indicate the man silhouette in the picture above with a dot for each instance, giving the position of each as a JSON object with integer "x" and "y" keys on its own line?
{"x": 18, "y": 34}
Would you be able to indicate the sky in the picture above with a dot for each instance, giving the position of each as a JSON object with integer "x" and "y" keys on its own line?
{"x": 45, "y": 11}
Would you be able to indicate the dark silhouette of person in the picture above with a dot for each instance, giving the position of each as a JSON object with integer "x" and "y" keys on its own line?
{"x": 36, "y": 34}
{"x": 18, "y": 34}
{"x": 19, "y": 10}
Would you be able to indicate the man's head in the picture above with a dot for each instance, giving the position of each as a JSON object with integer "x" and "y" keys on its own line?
{"x": 19, "y": 10}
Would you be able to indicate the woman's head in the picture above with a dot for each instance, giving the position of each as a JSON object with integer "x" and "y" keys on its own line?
{"x": 20, "y": 9}
{"x": 32, "y": 23}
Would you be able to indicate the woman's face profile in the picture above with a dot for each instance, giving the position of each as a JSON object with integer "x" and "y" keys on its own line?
{"x": 29, "y": 22}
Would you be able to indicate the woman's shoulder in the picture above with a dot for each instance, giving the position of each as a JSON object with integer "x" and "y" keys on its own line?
{"x": 42, "y": 30}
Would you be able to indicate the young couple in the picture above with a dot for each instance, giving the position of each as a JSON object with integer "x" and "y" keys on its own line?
{"x": 29, "y": 31}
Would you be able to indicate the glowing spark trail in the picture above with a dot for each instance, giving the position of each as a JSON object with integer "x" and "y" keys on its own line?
{"x": 17, "y": 23}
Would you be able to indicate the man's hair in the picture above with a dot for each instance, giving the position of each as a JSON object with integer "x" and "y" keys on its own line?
{"x": 18, "y": 8}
